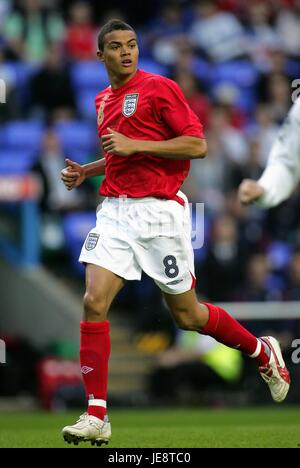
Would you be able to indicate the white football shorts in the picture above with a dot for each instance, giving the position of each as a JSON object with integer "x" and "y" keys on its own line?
{"x": 144, "y": 234}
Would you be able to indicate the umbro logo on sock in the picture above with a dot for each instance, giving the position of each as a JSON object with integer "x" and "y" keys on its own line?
{"x": 86, "y": 370}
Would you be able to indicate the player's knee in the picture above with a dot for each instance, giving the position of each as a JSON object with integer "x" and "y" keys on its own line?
{"x": 95, "y": 306}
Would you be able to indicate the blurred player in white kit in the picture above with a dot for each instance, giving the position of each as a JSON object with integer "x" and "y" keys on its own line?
{"x": 282, "y": 173}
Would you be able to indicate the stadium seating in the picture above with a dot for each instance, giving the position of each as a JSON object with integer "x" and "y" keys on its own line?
{"x": 152, "y": 66}
{"x": 241, "y": 74}
{"x": 80, "y": 156}
{"x": 89, "y": 74}
{"x": 25, "y": 135}
{"x": 2, "y": 135}
{"x": 16, "y": 161}
{"x": 86, "y": 102}
{"x": 279, "y": 254}
{"x": 201, "y": 69}
{"x": 22, "y": 72}
{"x": 293, "y": 68}
{"x": 78, "y": 135}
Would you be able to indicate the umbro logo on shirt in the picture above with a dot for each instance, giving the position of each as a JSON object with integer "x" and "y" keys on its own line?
{"x": 86, "y": 369}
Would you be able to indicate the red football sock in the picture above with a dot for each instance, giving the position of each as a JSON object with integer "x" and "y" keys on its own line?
{"x": 94, "y": 356}
{"x": 231, "y": 333}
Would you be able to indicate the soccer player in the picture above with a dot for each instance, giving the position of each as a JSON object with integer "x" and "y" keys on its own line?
{"x": 282, "y": 173}
{"x": 149, "y": 135}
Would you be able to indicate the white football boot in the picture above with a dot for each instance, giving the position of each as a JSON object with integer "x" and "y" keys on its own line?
{"x": 275, "y": 372}
{"x": 88, "y": 429}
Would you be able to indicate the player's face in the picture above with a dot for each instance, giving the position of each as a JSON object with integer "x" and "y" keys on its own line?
{"x": 120, "y": 53}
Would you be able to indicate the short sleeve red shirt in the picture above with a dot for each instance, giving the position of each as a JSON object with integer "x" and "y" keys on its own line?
{"x": 148, "y": 107}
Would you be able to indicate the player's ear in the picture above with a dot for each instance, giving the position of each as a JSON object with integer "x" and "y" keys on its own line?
{"x": 100, "y": 55}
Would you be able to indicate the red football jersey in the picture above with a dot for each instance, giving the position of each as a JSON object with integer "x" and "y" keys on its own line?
{"x": 148, "y": 107}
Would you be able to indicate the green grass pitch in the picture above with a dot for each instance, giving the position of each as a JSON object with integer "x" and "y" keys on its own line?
{"x": 164, "y": 428}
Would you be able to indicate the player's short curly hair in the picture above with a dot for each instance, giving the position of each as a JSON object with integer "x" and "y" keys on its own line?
{"x": 112, "y": 25}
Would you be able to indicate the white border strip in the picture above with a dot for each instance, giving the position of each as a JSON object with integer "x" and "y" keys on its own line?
{"x": 95, "y": 402}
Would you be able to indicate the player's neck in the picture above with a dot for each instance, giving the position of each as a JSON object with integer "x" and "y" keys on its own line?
{"x": 119, "y": 80}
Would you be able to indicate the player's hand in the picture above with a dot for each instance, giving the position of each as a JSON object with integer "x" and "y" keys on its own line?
{"x": 73, "y": 175}
{"x": 116, "y": 143}
{"x": 249, "y": 191}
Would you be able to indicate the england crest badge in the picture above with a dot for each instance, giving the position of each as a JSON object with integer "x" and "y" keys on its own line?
{"x": 91, "y": 241}
{"x": 130, "y": 104}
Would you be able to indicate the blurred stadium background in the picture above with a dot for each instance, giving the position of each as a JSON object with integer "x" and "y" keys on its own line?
{"x": 236, "y": 62}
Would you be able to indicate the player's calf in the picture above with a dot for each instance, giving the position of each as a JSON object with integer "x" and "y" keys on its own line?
{"x": 188, "y": 313}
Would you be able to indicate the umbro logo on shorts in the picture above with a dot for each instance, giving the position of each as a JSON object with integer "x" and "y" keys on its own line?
{"x": 91, "y": 241}
{"x": 86, "y": 369}
{"x": 175, "y": 282}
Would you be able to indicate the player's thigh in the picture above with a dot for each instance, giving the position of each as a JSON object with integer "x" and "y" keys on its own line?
{"x": 167, "y": 261}
{"x": 166, "y": 255}
{"x": 102, "y": 285}
{"x": 185, "y": 309}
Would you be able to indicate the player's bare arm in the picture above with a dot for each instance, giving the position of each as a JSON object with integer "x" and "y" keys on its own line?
{"x": 75, "y": 174}
{"x": 250, "y": 191}
{"x": 182, "y": 147}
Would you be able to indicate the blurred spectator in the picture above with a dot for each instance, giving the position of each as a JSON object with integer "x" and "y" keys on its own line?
{"x": 282, "y": 221}
{"x": 252, "y": 168}
{"x": 288, "y": 28}
{"x": 187, "y": 61}
{"x": 196, "y": 99}
{"x": 263, "y": 130}
{"x": 227, "y": 96}
{"x": 223, "y": 268}
{"x": 112, "y": 13}
{"x": 279, "y": 97}
{"x": 233, "y": 143}
{"x": 292, "y": 292}
{"x": 30, "y": 29}
{"x": 229, "y": 5}
{"x": 51, "y": 89}
{"x": 55, "y": 196}
{"x": 218, "y": 34}
{"x": 80, "y": 38}
{"x": 261, "y": 35}
{"x": 5, "y": 6}
{"x": 11, "y": 109}
{"x": 262, "y": 285}
{"x": 207, "y": 182}
{"x": 257, "y": 285}
{"x": 166, "y": 32}
{"x": 276, "y": 64}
